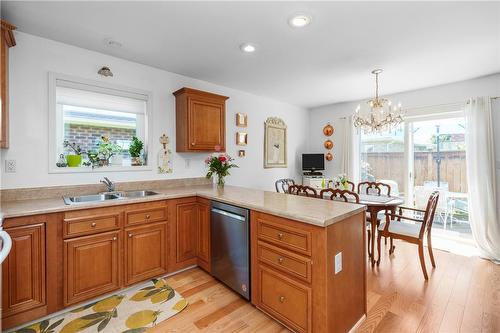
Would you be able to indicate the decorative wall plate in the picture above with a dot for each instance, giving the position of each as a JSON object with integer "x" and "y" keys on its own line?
{"x": 328, "y": 130}
{"x": 329, "y": 156}
{"x": 328, "y": 144}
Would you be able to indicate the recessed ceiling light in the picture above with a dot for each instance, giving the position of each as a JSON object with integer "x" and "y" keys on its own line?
{"x": 299, "y": 20}
{"x": 247, "y": 47}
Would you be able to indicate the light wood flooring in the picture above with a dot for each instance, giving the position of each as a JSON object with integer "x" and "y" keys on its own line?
{"x": 462, "y": 295}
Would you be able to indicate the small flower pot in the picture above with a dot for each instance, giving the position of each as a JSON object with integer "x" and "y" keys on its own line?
{"x": 136, "y": 161}
{"x": 74, "y": 160}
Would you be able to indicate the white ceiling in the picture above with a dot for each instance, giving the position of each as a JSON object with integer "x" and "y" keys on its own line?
{"x": 419, "y": 44}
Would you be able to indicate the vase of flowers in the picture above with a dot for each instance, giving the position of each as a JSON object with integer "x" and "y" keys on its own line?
{"x": 343, "y": 181}
{"x": 135, "y": 151}
{"x": 219, "y": 165}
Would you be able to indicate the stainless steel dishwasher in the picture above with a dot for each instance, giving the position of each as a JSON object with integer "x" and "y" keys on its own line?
{"x": 230, "y": 246}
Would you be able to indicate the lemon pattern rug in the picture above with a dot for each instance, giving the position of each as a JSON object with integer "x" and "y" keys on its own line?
{"x": 134, "y": 311}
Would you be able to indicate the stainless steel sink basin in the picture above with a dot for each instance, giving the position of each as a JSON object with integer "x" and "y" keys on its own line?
{"x": 136, "y": 194}
{"x": 90, "y": 198}
{"x": 108, "y": 196}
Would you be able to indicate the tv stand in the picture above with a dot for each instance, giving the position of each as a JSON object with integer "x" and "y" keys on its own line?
{"x": 313, "y": 173}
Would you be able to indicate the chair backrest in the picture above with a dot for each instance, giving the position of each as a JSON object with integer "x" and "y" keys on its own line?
{"x": 421, "y": 196}
{"x": 337, "y": 194}
{"x": 430, "y": 210}
{"x": 375, "y": 188}
{"x": 283, "y": 184}
{"x": 350, "y": 186}
{"x": 302, "y": 190}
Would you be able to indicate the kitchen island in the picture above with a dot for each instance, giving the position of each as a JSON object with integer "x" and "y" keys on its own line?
{"x": 307, "y": 255}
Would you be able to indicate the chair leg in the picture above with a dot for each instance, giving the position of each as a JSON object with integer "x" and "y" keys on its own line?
{"x": 429, "y": 246}
{"x": 385, "y": 240}
{"x": 422, "y": 259}
{"x": 369, "y": 238}
{"x": 379, "y": 236}
{"x": 392, "y": 247}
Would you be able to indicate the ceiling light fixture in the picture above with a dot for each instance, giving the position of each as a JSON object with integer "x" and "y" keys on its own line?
{"x": 248, "y": 48}
{"x": 299, "y": 21}
{"x": 105, "y": 71}
{"x": 381, "y": 116}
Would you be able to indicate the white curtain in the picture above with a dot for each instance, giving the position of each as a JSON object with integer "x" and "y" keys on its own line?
{"x": 350, "y": 156}
{"x": 481, "y": 177}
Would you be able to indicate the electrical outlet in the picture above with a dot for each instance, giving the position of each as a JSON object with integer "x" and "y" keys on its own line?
{"x": 10, "y": 166}
{"x": 187, "y": 162}
{"x": 338, "y": 262}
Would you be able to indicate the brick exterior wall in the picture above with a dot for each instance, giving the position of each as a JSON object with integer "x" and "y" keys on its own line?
{"x": 88, "y": 136}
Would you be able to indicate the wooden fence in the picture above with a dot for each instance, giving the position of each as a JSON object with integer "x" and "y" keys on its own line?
{"x": 391, "y": 166}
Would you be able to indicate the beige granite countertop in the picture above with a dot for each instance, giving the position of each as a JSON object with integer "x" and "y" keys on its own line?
{"x": 309, "y": 210}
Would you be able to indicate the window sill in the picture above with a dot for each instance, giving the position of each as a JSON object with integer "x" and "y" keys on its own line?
{"x": 101, "y": 169}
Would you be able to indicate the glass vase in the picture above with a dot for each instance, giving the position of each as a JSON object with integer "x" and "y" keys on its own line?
{"x": 220, "y": 181}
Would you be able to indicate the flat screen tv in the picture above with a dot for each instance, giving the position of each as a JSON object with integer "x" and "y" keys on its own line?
{"x": 313, "y": 162}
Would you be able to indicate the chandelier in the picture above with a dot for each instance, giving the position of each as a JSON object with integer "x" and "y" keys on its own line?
{"x": 382, "y": 116}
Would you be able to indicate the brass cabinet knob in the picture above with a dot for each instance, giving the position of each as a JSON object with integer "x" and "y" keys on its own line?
{"x": 282, "y": 299}
{"x": 114, "y": 238}
{"x": 280, "y": 260}
{"x": 280, "y": 236}
{"x": 148, "y": 216}
{"x": 93, "y": 224}
{"x": 130, "y": 235}
{"x": 192, "y": 143}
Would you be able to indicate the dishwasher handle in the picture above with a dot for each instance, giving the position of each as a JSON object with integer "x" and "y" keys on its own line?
{"x": 6, "y": 245}
{"x": 228, "y": 214}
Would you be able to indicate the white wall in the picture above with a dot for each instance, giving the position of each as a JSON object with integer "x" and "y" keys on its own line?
{"x": 33, "y": 57}
{"x": 445, "y": 94}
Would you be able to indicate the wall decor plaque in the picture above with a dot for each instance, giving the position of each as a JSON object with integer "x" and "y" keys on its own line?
{"x": 241, "y": 119}
{"x": 275, "y": 148}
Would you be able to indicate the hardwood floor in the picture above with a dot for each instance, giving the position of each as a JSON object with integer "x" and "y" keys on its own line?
{"x": 462, "y": 295}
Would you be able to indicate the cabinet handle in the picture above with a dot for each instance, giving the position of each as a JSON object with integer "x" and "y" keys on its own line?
{"x": 280, "y": 236}
{"x": 282, "y": 299}
{"x": 130, "y": 235}
{"x": 148, "y": 216}
{"x": 192, "y": 143}
{"x": 93, "y": 224}
{"x": 114, "y": 238}
{"x": 280, "y": 260}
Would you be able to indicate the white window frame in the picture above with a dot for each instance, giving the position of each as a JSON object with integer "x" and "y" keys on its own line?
{"x": 102, "y": 87}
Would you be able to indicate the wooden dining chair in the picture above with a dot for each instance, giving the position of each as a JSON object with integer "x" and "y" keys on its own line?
{"x": 411, "y": 232}
{"x": 338, "y": 194}
{"x": 302, "y": 190}
{"x": 374, "y": 188}
{"x": 283, "y": 184}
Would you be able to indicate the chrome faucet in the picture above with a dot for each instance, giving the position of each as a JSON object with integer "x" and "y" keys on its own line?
{"x": 109, "y": 184}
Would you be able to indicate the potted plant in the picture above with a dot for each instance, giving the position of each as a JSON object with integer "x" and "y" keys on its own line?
{"x": 219, "y": 164}
{"x": 74, "y": 160}
{"x": 106, "y": 150}
{"x": 135, "y": 150}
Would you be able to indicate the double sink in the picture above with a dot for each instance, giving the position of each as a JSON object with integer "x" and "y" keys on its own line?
{"x": 108, "y": 196}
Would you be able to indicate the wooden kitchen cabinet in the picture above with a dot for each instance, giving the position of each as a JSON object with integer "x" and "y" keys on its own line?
{"x": 187, "y": 231}
{"x": 145, "y": 252}
{"x": 203, "y": 250}
{"x": 7, "y": 40}
{"x": 91, "y": 266}
{"x": 200, "y": 120}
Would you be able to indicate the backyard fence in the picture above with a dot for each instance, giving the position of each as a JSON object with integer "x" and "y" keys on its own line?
{"x": 390, "y": 165}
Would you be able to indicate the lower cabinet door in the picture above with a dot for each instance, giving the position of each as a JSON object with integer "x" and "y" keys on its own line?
{"x": 285, "y": 299}
{"x": 145, "y": 252}
{"x": 23, "y": 272}
{"x": 91, "y": 266}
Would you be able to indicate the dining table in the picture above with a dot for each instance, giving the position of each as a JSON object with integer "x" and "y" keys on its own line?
{"x": 375, "y": 204}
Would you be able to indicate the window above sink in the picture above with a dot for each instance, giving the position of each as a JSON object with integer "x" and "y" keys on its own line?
{"x": 92, "y": 125}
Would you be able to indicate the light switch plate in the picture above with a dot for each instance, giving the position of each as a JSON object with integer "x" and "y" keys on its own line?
{"x": 10, "y": 166}
{"x": 338, "y": 262}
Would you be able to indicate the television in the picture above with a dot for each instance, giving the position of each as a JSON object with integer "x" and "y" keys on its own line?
{"x": 313, "y": 162}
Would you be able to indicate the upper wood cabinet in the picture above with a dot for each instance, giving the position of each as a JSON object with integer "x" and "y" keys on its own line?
{"x": 7, "y": 40}
{"x": 200, "y": 120}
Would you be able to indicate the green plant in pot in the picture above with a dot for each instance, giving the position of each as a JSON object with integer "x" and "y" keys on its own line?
{"x": 74, "y": 160}
{"x": 135, "y": 150}
{"x": 106, "y": 150}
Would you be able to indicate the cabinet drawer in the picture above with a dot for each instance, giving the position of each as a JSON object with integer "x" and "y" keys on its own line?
{"x": 284, "y": 236}
{"x": 148, "y": 215}
{"x": 90, "y": 225}
{"x": 285, "y": 299}
{"x": 286, "y": 261}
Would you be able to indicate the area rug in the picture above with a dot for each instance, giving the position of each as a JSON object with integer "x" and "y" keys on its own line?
{"x": 134, "y": 311}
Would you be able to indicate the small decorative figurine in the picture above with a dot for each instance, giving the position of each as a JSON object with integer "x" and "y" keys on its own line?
{"x": 164, "y": 156}
{"x": 61, "y": 163}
